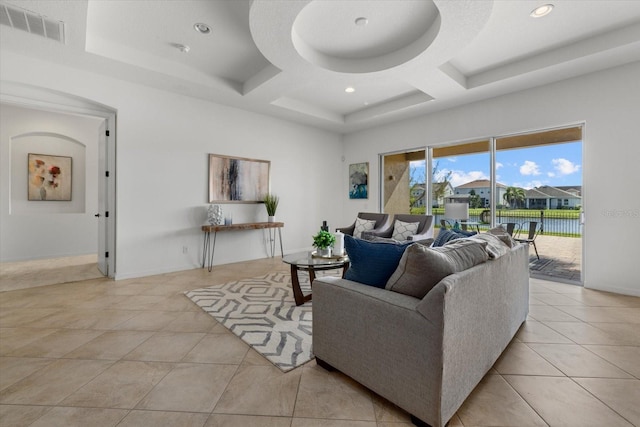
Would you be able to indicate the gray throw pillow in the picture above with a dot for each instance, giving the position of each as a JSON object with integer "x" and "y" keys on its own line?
{"x": 502, "y": 234}
{"x": 495, "y": 247}
{"x": 421, "y": 267}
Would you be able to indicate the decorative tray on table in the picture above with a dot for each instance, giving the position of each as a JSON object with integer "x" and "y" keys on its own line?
{"x": 314, "y": 254}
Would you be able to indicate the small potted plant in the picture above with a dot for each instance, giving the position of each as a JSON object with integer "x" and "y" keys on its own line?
{"x": 271, "y": 203}
{"x": 323, "y": 241}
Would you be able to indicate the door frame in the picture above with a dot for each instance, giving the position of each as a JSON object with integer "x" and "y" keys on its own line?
{"x": 38, "y": 98}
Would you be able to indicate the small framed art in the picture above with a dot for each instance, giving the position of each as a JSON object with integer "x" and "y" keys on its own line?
{"x": 358, "y": 181}
{"x": 49, "y": 177}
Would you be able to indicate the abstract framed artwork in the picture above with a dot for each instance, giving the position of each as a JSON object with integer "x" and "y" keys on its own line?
{"x": 237, "y": 180}
{"x": 49, "y": 177}
{"x": 358, "y": 180}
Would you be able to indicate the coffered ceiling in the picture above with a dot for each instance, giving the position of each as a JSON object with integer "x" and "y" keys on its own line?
{"x": 294, "y": 58}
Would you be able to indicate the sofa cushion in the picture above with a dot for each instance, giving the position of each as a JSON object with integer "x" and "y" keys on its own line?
{"x": 421, "y": 267}
{"x": 402, "y": 230}
{"x": 363, "y": 225}
{"x": 372, "y": 263}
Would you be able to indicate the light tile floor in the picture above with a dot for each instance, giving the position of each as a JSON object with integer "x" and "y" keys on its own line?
{"x": 139, "y": 353}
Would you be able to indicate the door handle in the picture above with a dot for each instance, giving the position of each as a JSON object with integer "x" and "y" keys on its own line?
{"x": 97, "y": 215}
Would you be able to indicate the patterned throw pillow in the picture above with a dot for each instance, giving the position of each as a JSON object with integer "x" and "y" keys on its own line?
{"x": 445, "y": 235}
{"x": 402, "y": 230}
{"x": 363, "y": 225}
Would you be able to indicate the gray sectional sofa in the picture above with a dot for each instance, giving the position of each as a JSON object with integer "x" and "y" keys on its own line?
{"x": 425, "y": 354}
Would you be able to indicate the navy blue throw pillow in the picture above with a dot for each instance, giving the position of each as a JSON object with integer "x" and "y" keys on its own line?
{"x": 372, "y": 263}
{"x": 465, "y": 232}
{"x": 446, "y": 235}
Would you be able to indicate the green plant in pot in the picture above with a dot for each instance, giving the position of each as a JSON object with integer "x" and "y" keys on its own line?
{"x": 271, "y": 203}
{"x": 323, "y": 241}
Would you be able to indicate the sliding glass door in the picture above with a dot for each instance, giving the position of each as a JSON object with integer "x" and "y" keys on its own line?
{"x": 543, "y": 171}
{"x": 529, "y": 181}
{"x": 526, "y": 181}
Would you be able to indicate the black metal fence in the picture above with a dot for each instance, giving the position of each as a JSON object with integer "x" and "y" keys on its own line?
{"x": 558, "y": 222}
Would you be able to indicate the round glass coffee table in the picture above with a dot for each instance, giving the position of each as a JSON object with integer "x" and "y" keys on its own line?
{"x": 307, "y": 261}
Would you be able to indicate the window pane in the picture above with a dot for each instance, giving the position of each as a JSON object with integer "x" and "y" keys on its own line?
{"x": 403, "y": 176}
{"x": 461, "y": 174}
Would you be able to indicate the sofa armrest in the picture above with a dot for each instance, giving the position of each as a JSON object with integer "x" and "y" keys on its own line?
{"x": 347, "y": 230}
{"x": 483, "y": 308}
{"x": 378, "y": 338}
{"x": 371, "y": 234}
{"x": 423, "y": 236}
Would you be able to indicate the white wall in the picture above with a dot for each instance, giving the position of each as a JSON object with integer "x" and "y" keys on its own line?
{"x": 163, "y": 141}
{"x": 162, "y": 145}
{"x": 47, "y": 229}
{"x": 608, "y": 102}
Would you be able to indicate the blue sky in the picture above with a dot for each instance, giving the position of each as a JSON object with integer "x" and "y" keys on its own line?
{"x": 555, "y": 165}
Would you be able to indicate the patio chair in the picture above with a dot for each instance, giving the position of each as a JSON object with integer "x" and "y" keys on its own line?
{"x": 513, "y": 228}
{"x": 533, "y": 230}
{"x": 444, "y": 224}
{"x": 425, "y": 227}
{"x": 381, "y": 220}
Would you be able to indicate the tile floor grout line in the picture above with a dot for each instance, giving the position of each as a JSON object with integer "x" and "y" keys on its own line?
{"x": 598, "y": 399}
{"x": 608, "y": 361}
{"x": 525, "y": 400}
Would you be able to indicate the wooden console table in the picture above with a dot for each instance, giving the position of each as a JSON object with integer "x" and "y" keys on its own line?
{"x": 210, "y": 247}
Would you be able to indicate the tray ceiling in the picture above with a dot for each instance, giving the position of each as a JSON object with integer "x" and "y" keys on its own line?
{"x": 294, "y": 59}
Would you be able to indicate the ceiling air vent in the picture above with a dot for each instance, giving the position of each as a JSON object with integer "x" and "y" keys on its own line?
{"x": 31, "y": 22}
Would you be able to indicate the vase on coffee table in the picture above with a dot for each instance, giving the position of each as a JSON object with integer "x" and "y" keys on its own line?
{"x": 326, "y": 252}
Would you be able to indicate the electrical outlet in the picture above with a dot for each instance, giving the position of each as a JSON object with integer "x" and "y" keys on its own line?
{"x": 185, "y": 249}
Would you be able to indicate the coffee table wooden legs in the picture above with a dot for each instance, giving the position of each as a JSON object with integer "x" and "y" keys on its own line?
{"x": 295, "y": 284}
{"x": 298, "y": 296}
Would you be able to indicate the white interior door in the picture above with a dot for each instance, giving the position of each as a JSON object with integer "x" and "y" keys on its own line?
{"x": 103, "y": 208}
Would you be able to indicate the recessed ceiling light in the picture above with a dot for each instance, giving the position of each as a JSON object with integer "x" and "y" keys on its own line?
{"x": 541, "y": 11}
{"x": 362, "y": 21}
{"x": 202, "y": 28}
{"x": 350, "y": 89}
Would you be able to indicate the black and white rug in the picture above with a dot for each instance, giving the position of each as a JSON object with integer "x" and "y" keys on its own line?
{"x": 262, "y": 312}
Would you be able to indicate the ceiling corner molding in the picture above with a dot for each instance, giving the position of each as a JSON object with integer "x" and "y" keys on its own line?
{"x": 609, "y": 41}
{"x": 260, "y": 78}
{"x": 455, "y": 74}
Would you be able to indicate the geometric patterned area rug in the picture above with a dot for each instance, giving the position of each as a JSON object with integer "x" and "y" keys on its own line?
{"x": 262, "y": 312}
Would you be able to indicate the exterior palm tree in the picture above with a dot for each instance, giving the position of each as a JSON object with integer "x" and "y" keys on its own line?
{"x": 514, "y": 196}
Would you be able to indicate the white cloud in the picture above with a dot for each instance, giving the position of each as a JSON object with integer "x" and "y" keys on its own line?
{"x": 499, "y": 165}
{"x": 564, "y": 166}
{"x": 528, "y": 185}
{"x": 551, "y": 174}
{"x": 459, "y": 177}
{"x": 529, "y": 168}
